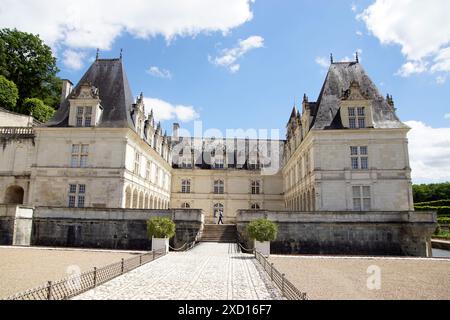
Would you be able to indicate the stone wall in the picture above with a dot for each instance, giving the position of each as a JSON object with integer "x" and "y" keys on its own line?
{"x": 351, "y": 233}
{"x": 15, "y": 225}
{"x": 109, "y": 228}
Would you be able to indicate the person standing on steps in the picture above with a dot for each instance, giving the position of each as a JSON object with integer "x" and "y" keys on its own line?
{"x": 220, "y": 217}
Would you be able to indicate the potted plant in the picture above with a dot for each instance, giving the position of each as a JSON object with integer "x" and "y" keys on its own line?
{"x": 263, "y": 232}
{"x": 161, "y": 230}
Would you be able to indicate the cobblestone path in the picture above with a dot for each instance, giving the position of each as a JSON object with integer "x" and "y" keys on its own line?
{"x": 210, "y": 271}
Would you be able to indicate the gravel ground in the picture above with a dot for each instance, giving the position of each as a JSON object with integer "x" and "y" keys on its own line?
{"x": 26, "y": 268}
{"x": 346, "y": 278}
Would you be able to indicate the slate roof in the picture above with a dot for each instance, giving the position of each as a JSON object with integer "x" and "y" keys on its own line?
{"x": 338, "y": 80}
{"x": 108, "y": 75}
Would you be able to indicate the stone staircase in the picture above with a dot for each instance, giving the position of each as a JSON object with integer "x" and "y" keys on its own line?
{"x": 219, "y": 233}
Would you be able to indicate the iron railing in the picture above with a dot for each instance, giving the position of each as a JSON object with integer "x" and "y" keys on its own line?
{"x": 75, "y": 285}
{"x": 287, "y": 288}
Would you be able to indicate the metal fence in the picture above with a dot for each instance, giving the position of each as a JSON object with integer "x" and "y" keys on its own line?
{"x": 287, "y": 288}
{"x": 13, "y": 131}
{"x": 78, "y": 284}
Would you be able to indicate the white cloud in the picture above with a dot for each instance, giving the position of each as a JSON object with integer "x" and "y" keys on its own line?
{"x": 73, "y": 59}
{"x": 323, "y": 62}
{"x": 159, "y": 73}
{"x": 354, "y": 8}
{"x": 421, "y": 28}
{"x": 229, "y": 57}
{"x": 447, "y": 116}
{"x": 412, "y": 67}
{"x": 441, "y": 79}
{"x": 429, "y": 150}
{"x": 86, "y": 24}
{"x": 359, "y": 33}
{"x": 165, "y": 111}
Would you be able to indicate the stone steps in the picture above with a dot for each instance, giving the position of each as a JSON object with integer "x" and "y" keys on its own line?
{"x": 219, "y": 233}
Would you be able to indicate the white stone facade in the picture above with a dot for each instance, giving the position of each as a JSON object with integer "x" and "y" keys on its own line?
{"x": 346, "y": 152}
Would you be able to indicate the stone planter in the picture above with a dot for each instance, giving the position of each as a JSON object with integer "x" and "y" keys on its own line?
{"x": 160, "y": 244}
{"x": 263, "y": 247}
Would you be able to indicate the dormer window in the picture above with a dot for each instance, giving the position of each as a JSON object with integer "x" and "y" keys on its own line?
{"x": 357, "y": 118}
{"x": 85, "y": 108}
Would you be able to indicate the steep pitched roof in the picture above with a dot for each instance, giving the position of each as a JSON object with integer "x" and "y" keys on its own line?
{"x": 109, "y": 77}
{"x": 339, "y": 79}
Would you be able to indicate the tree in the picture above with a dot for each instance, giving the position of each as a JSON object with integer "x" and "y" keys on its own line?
{"x": 8, "y": 94}
{"x": 262, "y": 230}
{"x": 38, "y": 109}
{"x": 29, "y": 63}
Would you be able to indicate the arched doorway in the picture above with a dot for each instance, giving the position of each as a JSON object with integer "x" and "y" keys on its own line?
{"x": 14, "y": 195}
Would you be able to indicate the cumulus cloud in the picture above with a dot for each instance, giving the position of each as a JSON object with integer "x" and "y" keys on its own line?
{"x": 164, "y": 111}
{"x": 73, "y": 60}
{"x": 229, "y": 57}
{"x": 97, "y": 24}
{"x": 441, "y": 79}
{"x": 429, "y": 150}
{"x": 323, "y": 62}
{"x": 421, "y": 28}
{"x": 159, "y": 73}
{"x": 447, "y": 116}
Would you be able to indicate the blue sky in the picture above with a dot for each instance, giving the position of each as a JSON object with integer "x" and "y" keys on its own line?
{"x": 278, "y": 51}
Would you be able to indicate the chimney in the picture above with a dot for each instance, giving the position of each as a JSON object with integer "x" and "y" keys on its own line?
{"x": 67, "y": 86}
{"x": 176, "y": 132}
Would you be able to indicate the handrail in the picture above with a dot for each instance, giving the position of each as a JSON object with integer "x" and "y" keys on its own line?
{"x": 287, "y": 288}
{"x": 245, "y": 249}
{"x": 75, "y": 285}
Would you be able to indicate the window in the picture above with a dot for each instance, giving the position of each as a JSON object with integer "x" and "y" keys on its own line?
{"x": 218, "y": 163}
{"x": 186, "y": 186}
{"x": 185, "y": 206}
{"x": 256, "y": 187}
{"x": 137, "y": 163}
{"x": 156, "y": 175}
{"x": 253, "y": 164}
{"x": 218, "y": 207}
{"x": 357, "y": 117}
{"x": 84, "y": 117}
{"x": 148, "y": 170}
{"x": 361, "y": 198}
{"x": 80, "y": 153}
{"x": 359, "y": 158}
{"x": 255, "y": 206}
{"x": 77, "y": 195}
{"x": 219, "y": 187}
{"x": 186, "y": 162}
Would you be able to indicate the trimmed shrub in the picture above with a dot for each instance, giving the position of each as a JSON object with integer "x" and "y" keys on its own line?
{"x": 161, "y": 228}
{"x": 441, "y": 211}
{"x": 263, "y": 230}
{"x": 439, "y": 203}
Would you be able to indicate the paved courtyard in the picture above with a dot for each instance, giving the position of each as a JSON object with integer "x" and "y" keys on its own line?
{"x": 211, "y": 271}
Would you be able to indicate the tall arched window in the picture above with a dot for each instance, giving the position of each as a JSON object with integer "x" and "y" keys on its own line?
{"x": 218, "y": 207}
{"x": 128, "y": 197}
{"x": 186, "y": 186}
{"x": 219, "y": 187}
{"x": 256, "y": 187}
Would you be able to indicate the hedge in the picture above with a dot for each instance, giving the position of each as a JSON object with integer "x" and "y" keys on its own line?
{"x": 439, "y": 203}
{"x": 441, "y": 211}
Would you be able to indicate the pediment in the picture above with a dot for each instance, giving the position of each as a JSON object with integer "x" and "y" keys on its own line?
{"x": 354, "y": 93}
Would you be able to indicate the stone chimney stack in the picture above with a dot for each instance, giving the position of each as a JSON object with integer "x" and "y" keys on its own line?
{"x": 67, "y": 87}
{"x": 176, "y": 132}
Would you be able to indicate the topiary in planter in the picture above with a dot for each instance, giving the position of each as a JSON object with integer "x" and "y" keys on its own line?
{"x": 262, "y": 230}
{"x": 161, "y": 228}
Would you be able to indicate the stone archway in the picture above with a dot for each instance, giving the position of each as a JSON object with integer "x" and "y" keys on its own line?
{"x": 14, "y": 195}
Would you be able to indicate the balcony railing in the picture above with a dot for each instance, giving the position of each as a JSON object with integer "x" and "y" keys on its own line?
{"x": 16, "y": 132}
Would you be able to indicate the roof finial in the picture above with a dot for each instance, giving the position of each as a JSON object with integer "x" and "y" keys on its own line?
{"x": 331, "y": 58}
{"x": 305, "y": 98}
{"x": 121, "y": 53}
{"x": 357, "y": 56}
{"x": 98, "y": 54}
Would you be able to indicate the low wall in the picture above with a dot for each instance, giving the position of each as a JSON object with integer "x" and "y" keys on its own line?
{"x": 109, "y": 228}
{"x": 15, "y": 225}
{"x": 351, "y": 233}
